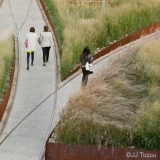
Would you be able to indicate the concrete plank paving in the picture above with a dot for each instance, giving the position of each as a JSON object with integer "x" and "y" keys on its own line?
{"x": 27, "y": 141}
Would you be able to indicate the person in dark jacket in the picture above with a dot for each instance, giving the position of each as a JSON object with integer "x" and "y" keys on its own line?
{"x": 84, "y": 58}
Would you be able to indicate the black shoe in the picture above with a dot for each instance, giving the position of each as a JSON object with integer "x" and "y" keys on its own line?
{"x": 44, "y": 64}
{"x": 27, "y": 68}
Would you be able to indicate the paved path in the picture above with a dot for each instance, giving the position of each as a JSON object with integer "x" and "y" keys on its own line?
{"x": 28, "y": 140}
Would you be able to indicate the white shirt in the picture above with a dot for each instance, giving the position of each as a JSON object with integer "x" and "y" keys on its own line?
{"x": 31, "y": 39}
{"x": 46, "y": 39}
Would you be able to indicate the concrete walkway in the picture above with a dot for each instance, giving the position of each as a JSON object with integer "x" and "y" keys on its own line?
{"x": 27, "y": 141}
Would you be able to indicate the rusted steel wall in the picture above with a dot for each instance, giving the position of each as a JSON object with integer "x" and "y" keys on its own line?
{"x": 57, "y": 151}
{"x": 5, "y": 98}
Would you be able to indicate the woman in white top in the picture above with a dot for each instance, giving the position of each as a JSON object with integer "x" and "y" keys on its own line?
{"x": 46, "y": 42}
{"x": 31, "y": 45}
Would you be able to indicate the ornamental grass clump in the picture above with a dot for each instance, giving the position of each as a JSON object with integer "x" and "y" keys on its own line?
{"x": 146, "y": 129}
{"x": 119, "y": 107}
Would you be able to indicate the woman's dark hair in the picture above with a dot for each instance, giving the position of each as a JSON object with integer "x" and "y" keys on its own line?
{"x": 46, "y": 28}
{"x": 32, "y": 29}
{"x": 86, "y": 51}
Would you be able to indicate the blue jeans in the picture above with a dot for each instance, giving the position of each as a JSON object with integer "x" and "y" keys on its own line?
{"x": 28, "y": 57}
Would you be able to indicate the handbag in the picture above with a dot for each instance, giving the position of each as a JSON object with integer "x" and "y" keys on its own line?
{"x": 26, "y": 43}
{"x": 89, "y": 68}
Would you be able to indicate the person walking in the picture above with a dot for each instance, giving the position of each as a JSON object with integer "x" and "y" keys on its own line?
{"x": 86, "y": 60}
{"x": 31, "y": 45}
{"x": 46, "y": 41}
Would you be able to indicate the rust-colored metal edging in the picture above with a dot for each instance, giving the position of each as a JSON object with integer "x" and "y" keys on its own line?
{"x": 61, "y": 151}
{"x": 125, "y": 40}
{"x": 5, "y": 98}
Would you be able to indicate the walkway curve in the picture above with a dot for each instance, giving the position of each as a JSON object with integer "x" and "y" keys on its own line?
{"x": 25, "y": 140}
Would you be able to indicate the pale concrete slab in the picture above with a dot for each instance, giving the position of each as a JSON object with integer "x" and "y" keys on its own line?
{"x": 27, "y": 141}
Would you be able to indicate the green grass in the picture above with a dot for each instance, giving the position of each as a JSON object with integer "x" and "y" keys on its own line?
{"x": 83, "y": 12}
{"x": 123, "y": 17}
{"x": 58, "y": 24}
{"x": 126, "y": 23}
{"x": 86, "y": 131}
{"x": 6, "y": 61}
{"x": 147, "y": 129}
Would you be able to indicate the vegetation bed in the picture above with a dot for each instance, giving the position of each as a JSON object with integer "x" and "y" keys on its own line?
{"x": 6, "y": 61}
{"x": 120, "y": 107}
{"x": 99, "y": 28}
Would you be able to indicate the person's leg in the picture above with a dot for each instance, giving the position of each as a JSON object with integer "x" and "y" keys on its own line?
{"x": 44, "y": 55}
{"x": 47, "y": 53}
{"x": 84, "y": 77}
{"x": 32, "y": 58}
{"x": 28, "y": 55}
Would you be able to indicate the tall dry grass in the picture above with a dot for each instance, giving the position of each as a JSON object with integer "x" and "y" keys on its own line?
{"x": 83, "y": 26}
{"x": 6, "y": 60}
{"x": 146, "y": 128}
{"x": 120, "y": 107}
{"x": 103, "y": 112}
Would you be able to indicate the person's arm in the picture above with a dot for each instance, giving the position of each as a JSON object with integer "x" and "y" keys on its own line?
{"x": 26, "y": 42}
{"x": 51, "y": 40}
{"x": 40, "y": 39}
{"x": 80, "y": 61}
{"x": 90, "y": 59}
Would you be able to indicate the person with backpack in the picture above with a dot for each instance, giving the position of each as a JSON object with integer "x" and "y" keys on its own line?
{"x": 86, "y": 61}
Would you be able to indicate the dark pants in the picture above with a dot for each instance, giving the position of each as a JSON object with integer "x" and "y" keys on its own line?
{"x": 32, "y": 57}
{"x": 45, "y": 54}
{"x": 85, "y": 76}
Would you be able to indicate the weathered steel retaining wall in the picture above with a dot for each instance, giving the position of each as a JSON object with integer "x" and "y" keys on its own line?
{"x": 86, "y": 152}
{"x": 5, "y": 98}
